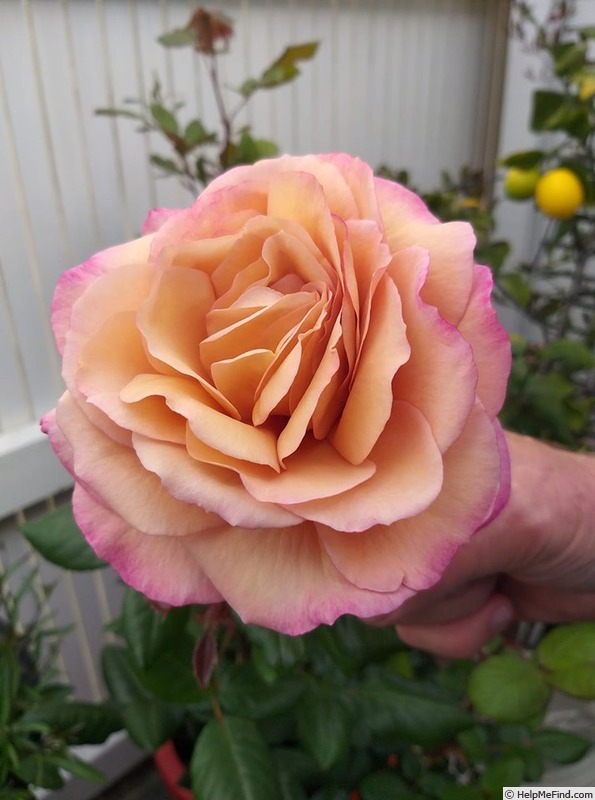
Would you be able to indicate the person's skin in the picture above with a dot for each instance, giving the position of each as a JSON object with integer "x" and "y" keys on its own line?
{"x": 535, "y": 561}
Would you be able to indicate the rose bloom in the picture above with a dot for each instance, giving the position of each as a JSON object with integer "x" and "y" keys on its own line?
{"x": 284, "y": 396}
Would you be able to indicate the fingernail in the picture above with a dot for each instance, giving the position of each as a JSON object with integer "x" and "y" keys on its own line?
{"x": 502, "y": 617}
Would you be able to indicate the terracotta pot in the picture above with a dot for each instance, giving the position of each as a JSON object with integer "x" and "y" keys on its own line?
{"x": 171, "y": 770}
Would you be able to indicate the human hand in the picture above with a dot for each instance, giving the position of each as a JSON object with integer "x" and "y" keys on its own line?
{"x": 535, "y": 561}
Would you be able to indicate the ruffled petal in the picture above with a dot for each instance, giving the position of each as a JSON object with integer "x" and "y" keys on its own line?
{"x": 408, "y": 222}
{"x": 74, "y": 282}
{"x": 440, "y": 377}
{"x": 283, "y": 579}
{"x": 216, "y": 489}
{"x": 115, "y": 477}
{"x": 164, "y": 568}
{"x": 489, "y": 341}
{"x": 407, "y": 479}
{"x": 417, "y": 550}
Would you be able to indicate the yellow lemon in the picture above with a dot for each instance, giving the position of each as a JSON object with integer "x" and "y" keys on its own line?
{"x": 519, "y": 184}
{"x": 559, "y": 193}
{"x": 587, "y": 87}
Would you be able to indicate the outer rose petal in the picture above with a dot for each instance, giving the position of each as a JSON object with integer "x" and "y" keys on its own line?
{"x": 75, "y": 282}
{"x": 408, "y": 222}
{"x": 114, "y": 476}
{"x": 156, "y": 218}
{"x": 164, "y": 568}
{"x": 417, "y": 550}
{"x": 283, "y": 579}
{"x": 440, "y": 378}
{"x": 489, "y": 341}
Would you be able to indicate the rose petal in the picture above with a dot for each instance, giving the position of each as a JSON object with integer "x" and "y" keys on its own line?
{"x": 212, "y": 488}
{"x": 109, "y": 361}
{"x": 173, "y": 318}
{"x": 164, "y": 568}
{"x": 417, "y": 550}
{"x": 408, "y": 478}
{"x": 336, "y": 189}
{"x": 489, "y": 341}
{"x": 113, "y": 475}
{"x": 156, "y": 218}
{"x": 440, "y": 377}
{"x": 369, "y": 404}
{"x": 74, "y": 282}
{"x": 206, "y": 420}
{"x": 283, "y": 579}
{"x": 299, "y": 197}
{"x": 314, "y": 470}
{"x": 450, "y": 245}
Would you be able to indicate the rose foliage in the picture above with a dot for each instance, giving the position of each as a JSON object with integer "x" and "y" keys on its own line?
{"x": 284, "y": 396}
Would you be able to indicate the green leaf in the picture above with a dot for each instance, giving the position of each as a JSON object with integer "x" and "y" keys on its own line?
{"x": 152, "y": 634}
{"x": 244, "y": 693}
{"x": 578, "y": 680}
{"x": 9, "y": 683}
{"x": 434, "y": 783}
{"x": 76, "y": 767}
{"x": 120, "y": 112}
{"x": 141, "y": 627}
{"x": 165, "y": 120}
{"x": 151, "y": 723}
{"x": 567, "y": 653}
{"x": 494, "y": 254}
{"x": 572, "y": 355}
{"x": 81, "y": 723}
{"x": 170, "y": 676}
{"x": 517, "y": 288}
{"x": 166, "y": 164}
{"x": 290, "y": 787}
{"x": 282, "y": 70}
{"x": 231, "y": 760}
{"x": 120, "y": 676}
{"x": 462, "y": 793}
{"x": 58, "y": 539}
{"x": 38, "y": 771}
{"x": 196, "y": 134}
{"x": 553, "y": 111}
{"x": 507, "y": 688}
{"x": 560, "y": 746}
{"x": 569, "y": 57}
{"x": 524, "y": 159}
{"x": 297, "y": 763}
{"x": 180, "y": 37}
{"x": 278, "y": 650}
{"x": 420, "y": 720}
{"x": 363, "y": 643}
{"x": 505, "y": 772}
{"x": 383, "y": 785}
{"x": 324, "y": 726}
{"x": 474, "y": 742}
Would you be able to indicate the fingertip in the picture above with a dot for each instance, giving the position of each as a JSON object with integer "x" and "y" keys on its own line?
{"x": 464, "y": 637}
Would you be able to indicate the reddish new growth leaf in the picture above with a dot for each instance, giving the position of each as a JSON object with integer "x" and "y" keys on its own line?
{"x": 205, "y": 658}
{"x": 209, "y": 29}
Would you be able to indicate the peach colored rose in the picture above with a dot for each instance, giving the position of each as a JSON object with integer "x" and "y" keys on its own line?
{"x": 284, "y": 396}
